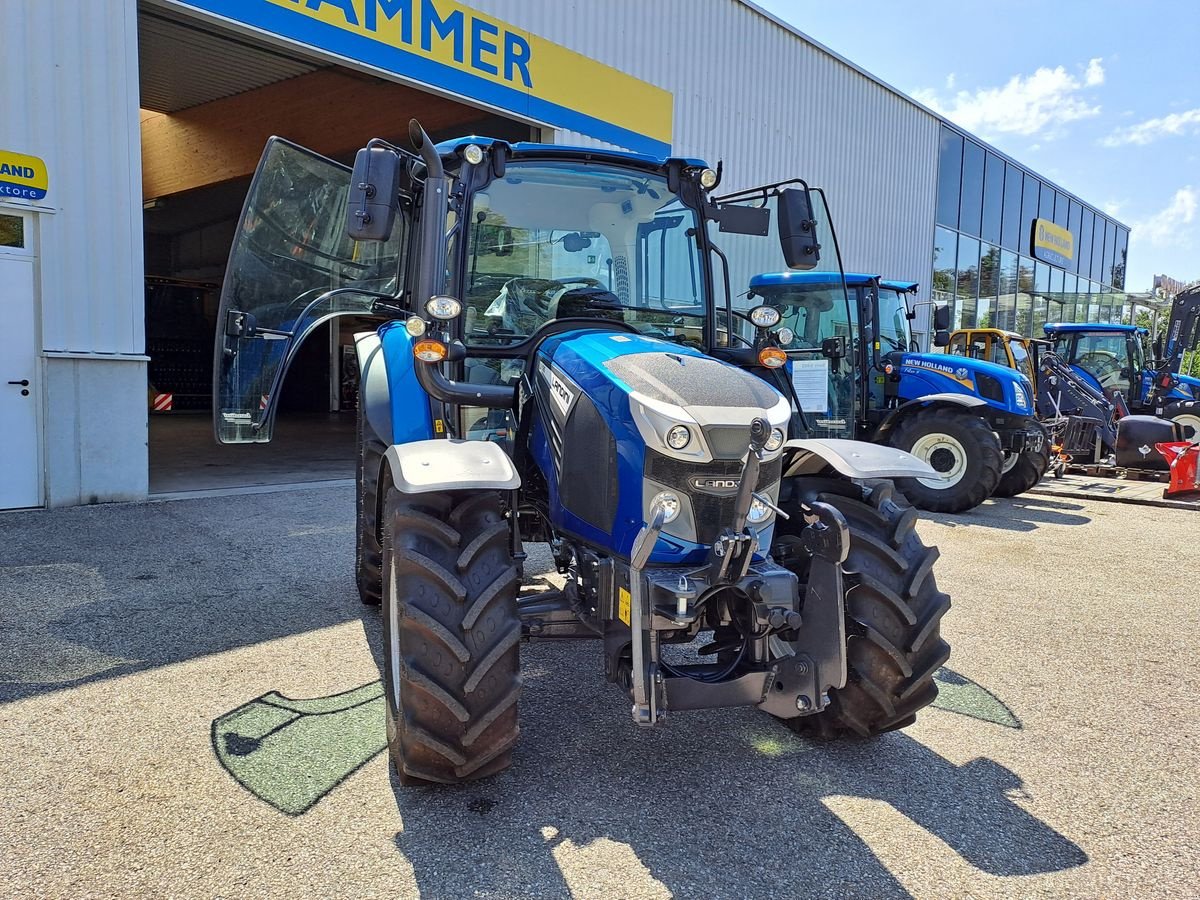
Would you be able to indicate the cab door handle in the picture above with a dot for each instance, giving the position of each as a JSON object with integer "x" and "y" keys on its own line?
{"x": 23, "y": 383}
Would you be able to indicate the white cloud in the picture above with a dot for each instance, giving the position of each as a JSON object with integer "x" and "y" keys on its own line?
{"x": 1112, "y": 207}
{"x": 1166, "y": 226}
{"x": 1026, "y": 105}
{"x": 1153, "y": 129}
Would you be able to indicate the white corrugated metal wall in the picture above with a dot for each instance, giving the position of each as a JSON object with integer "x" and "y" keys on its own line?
{"x": 69, "y": 71}
{"x": 773, "y": 106}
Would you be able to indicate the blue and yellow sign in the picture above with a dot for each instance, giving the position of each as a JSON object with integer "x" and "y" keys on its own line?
{"x": 450, "y": 46}
{"x": 1052, "y": 243}
{"x": 23, "y": 177}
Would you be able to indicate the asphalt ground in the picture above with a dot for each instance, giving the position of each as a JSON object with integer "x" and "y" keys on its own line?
{"x": 189, "y": 707}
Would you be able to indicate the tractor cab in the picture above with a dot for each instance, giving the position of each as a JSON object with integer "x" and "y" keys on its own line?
{"x": 1110, "y": 358}
{"x": 1002, "y": 348}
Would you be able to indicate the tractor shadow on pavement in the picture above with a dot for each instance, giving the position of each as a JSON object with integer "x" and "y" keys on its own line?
{"x": 1023, "y": 513}
{"x": 712, "y": 804}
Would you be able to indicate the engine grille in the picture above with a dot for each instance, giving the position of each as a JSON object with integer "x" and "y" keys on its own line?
{"x": 713, "y": 512}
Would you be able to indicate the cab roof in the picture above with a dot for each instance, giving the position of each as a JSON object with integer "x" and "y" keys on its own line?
{"x": 853, "y": 279}
{"x": 530, "y": 148}
{"x": 783, "y": 279}
{"x": 1077, "y": 327}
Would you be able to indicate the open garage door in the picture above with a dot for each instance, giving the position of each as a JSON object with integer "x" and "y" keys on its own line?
{"x": 210, "y": 100}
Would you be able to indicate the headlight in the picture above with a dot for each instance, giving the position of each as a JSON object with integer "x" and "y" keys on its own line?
{"x": 765, "y": 316}
{"x": 785, "y": 335}
{"x": 415, "y": 326}
{"x": 473, "y": 154}
{"x": 444, "y": 308}
{"x": 1022, "y": 397}
{"x": 669, "y": 503}
{"x": 775, "y": 441}
{"x": 759, "y": 512}
{"x": 679, "y": 437}
{"x": 708, "y": 179}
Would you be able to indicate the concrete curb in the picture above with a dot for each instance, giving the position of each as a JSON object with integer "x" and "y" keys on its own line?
{"x": 1115, "y": 498}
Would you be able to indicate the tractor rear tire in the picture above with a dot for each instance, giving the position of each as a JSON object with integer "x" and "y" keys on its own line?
{"x": 451, "y": 636}
{"x": 368, "y": 552}
{"x": 951, "y": 441}
{"x": 1186, "y": 414}
{"x": 893, "y": 613}
{"x": 1028, "y": 468}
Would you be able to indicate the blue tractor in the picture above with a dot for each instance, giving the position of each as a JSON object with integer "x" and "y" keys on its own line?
{"x": 570, "y": 309}
{"x": 856, "y": 373}
{"x": 1113, "y": 360}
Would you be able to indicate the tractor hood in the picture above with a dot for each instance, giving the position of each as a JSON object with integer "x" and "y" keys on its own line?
{"x": 664, "y": 384}
{"x": 1000, "y": 386}
{"x": 605, "y": 403}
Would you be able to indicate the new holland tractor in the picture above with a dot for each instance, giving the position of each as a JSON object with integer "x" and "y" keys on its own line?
{"x": 856, "y": 374}
{"x": 1113, "y": 360}
{"x": 571, "y": 309}
{"x": 1092, "y": 426}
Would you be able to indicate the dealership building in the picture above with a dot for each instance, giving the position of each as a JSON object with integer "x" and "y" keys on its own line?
{"x": 129, "y": 130}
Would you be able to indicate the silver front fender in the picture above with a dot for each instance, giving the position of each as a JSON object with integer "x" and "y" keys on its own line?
{"x": 854, "y": 459}
{"x": 424, "y": 467}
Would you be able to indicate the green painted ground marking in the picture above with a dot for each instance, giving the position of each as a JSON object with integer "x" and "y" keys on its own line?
{"x": 963, "y": 696}
{"x": 291, "y": 753}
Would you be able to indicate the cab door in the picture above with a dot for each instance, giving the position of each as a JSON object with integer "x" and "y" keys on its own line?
{"x": 292, "y": 268}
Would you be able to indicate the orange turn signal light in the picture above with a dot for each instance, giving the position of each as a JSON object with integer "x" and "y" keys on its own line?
{"x": 771, "y": 357}
{"x": 429, "y": 351}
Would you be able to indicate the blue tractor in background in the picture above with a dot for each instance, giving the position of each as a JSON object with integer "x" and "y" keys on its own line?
{"x": 571, "y": 309}
{"x": 855, "y": 372}
{"x": 1113, "y": 360}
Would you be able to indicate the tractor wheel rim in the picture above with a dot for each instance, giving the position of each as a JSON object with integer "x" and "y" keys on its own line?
{"x": 1189, "y": 423}
{"x": 1010, "y": 460}
{"x": 946, "y": 454}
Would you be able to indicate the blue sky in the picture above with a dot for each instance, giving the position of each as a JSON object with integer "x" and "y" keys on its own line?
{"x": 1101, "y": 97}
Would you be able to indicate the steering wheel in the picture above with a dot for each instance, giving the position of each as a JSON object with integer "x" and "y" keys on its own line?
{"x": 1103, "y": 365}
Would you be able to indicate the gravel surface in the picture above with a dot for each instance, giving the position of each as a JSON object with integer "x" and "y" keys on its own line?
{"x": 137, "y": 640}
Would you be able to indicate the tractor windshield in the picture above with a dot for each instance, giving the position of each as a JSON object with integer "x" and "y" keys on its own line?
{"x": 894, "y": 331}
{"x": 553, "y": 240}
{"x": 292, "y": 267}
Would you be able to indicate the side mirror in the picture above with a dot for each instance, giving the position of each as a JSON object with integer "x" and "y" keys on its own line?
{"x": 798, "y": 230}
{"x": 941, "y": 337}
{"x": 374, "y": 194}
{"x": 941, "y": 319}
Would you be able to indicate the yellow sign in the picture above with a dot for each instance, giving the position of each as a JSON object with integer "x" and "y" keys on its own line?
{"x": 1052, "y": 243}
{"x": 623, "y": 600}
{"x": 448, "y": 45}
{"x": 23, "y": 177}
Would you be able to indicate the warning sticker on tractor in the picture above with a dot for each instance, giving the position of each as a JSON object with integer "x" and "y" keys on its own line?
{"x": 810, "y": 377}
{"x": 623, "y": 605}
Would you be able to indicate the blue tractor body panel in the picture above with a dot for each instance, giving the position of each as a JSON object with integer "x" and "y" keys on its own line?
{"x": 411, "y": 418}
{"x": 1000, "y": 387}
{"x": 573, "y": 365}
{"x": 1188, "y": 389}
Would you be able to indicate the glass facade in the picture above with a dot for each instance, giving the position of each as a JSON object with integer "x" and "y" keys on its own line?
{"x": 983, "y": 266}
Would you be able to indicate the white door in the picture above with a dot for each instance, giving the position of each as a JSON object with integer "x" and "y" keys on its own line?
{"x": 20, "y": 467}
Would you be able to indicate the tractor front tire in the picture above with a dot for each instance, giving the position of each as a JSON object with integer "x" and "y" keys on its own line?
{"x": 1027, "y": 469}
{"x": 893, "y": 612}
{"x": 451, "y": 636}
{"x": 1186, "y": 414}
{"x": 368, "y": 552}
{"x": 958, "y": 443}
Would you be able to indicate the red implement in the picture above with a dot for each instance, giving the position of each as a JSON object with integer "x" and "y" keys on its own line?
{"x": 1185, "y": 475}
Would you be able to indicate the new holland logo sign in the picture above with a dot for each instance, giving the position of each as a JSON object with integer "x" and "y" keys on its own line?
{"x": 1052, "y": 243}
{"x": 22, "y": 177}
{"x": 450, "y": 46}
